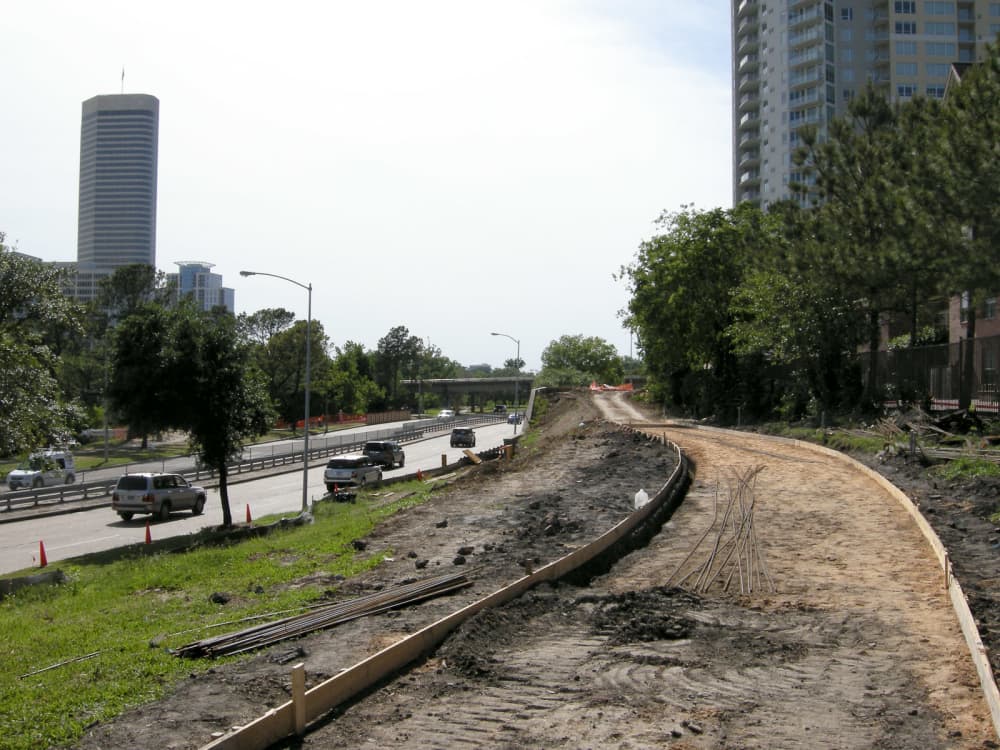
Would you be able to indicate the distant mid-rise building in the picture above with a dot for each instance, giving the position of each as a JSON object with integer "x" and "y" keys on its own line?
{"x": 195, "y": 279}
{"x": 799, "y": 62}
{"x": 118, "y": 163}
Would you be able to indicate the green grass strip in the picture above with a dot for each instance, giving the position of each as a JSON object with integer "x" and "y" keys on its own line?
{"x": 120, "y": 602}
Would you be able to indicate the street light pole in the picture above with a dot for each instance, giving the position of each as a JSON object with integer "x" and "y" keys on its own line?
{"x": 305, "y": 421}
{"x": 517, "y": 361}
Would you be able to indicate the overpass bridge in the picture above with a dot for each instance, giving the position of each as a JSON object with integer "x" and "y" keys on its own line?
{"x": 452, "y": 391}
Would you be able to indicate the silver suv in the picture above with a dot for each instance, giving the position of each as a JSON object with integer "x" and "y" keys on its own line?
{"x": 351, "y": 471}
{"x": 156, "y": 494}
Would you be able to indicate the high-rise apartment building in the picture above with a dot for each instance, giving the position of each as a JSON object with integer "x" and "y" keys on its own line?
{"x": 195, "y": 279}
{"x": 118, "y": 160}
{"x": 798, "y": 62}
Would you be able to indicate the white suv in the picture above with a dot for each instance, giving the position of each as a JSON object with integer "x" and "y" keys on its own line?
{"x": 351, "y": 471}
{"x": 156, "y": 494}
{"x": 44, "y": 469}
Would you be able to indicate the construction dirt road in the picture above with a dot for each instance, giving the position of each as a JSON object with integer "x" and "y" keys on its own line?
{"x": 848, "y": 639}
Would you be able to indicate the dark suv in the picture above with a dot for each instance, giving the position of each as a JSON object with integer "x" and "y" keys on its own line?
{"x": 463, "y": 437}
{"x": 386, "y": 453}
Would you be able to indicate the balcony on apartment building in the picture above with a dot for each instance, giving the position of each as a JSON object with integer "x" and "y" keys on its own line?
{"x": 799, "y": 18}
{"x": 746, "y": 7}
{"x": 802, "y": 98}
{"x": 747, "y": 43}
{"x": 749, "y": 138}
{"x": 805, "y": 77}
{"x": 747, "y": 25}
{"x": 749, "y": 120}
{"x": 805, "y": 36}
{"x": 800, "y": 117}
{"x": 807, "y": 56}
{"x": 749, "y": 102}
{"x": 748, "y": 63}
{"x": 748, "y": 82}
{"x": 749, "y": 158}
{"x": 749, "y": 178}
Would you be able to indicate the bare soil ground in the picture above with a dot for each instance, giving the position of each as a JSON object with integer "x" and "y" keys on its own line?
{"x": 857, "y": 647}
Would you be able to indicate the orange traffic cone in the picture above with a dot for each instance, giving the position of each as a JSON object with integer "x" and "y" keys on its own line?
{"x": 149, "y": 536}
{"x": 420, "y": 475}
{"x": 42, "y": 560}
{"x": 249, "y": 519}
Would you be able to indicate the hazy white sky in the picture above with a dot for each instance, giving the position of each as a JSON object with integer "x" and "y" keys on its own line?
{"x": 454, "y": 166}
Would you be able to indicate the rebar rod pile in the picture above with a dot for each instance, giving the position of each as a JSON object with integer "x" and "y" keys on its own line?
{"x": 267, "y": 634}
{"x": 734, "y": 552}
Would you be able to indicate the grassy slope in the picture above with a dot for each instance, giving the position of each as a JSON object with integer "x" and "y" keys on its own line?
{"x": 117, "y": 603}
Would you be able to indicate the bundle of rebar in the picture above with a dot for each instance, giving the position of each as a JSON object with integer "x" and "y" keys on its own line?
{"x": 319, "y": 618}
{"x": 733, "y": 551}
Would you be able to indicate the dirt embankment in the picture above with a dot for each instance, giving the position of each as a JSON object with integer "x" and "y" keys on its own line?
{"x": 492, "y": 523}
{"x": 856, "y": 646}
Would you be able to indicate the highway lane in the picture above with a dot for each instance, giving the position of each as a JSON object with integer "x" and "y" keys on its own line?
{"x": 72, "y": 534}
{"x": 290, "y": 446}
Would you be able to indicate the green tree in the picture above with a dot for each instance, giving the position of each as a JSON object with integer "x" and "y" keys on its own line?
{"x": 260, "y": 327}
{"x": 220, "y": 397}
{"x": 871, "y": 213}
{"x": 131, "y": 288}
{"x": 790, "y": 316}
{"x": 580, "y": 360}
{"x": 32, "y": 408}
{"x": 968, "y": 178}
{"x": 283, "y": 361}
{"x": 139, "y": 390}
{"x": 397, "y": 356}
{"x": 352, "y": 388}
{"x": 681, "y": 285}
{"x": 182, "y": 368}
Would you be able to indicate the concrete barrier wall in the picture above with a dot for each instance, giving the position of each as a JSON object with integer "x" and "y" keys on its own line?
{"x": 280, "y": 722}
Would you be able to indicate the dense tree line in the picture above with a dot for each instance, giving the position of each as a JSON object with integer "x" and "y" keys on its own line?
{"x": 763, "y": 314}
{"x": 139, "y": 356}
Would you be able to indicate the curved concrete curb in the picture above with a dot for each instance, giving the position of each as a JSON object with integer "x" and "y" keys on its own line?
{"x": 308, "y": 705}
{"x": 958, "y": 601}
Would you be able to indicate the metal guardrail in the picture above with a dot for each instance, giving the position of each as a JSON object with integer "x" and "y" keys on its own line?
{"x": 320, "y": 447}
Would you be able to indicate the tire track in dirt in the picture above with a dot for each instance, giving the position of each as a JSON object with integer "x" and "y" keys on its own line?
{"x": 858, "y": 647}
{"x": 847, "y": 558}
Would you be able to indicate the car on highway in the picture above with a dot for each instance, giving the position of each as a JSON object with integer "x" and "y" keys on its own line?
{"x": 463, "y": 437}
{"x": 387, "y": 453}
{"x": 446, "y": 414}
{"x": 500, "y": 409}
{"x": 351, "y": 471}
{"x": 515, "y": 418}
{"x": 43, "y": 468}
{"x": 157, "y": 495}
